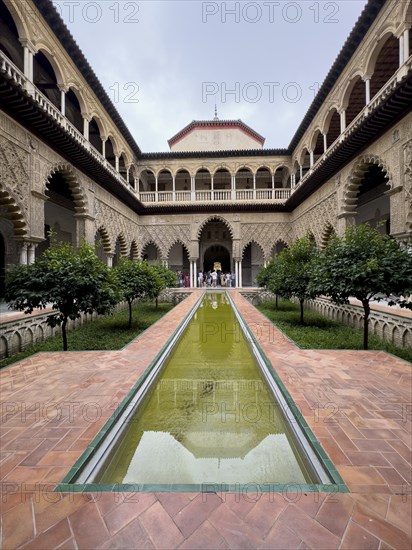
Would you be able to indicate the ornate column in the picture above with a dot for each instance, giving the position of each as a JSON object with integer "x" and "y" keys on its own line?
{"x": 156, "y": 188}
{"x": 254, "y": 186}
{"x": 194, "y": 273}
{"x": 406, "y": 45}
{"x": 173, "y": 188}
{"x": 240, "y": 274}
{"x": 85, "y": 229}
{"x": 86, "y": 121}
{"x": 23, "y": 253}
{"x": 31, "y": 253}
{"x": 191, "y": 273}
{"x": 236, "y": 274}
{"x": 342, "y": 121}
{"x": 116, "y": 161}
{"x": 110, "y": 260}
{"x": 401, "y": 50}
{"x": 192, "y": 189}
{"x": 325, "y": 142}
{"x": 233, "y": 187}
{"x": 367, "y": 90}
{"x": 104, "y": 146}
{"x": 63, "y": 92}
{"x": 312, "y": 158}
{"x": 29, "y": 52}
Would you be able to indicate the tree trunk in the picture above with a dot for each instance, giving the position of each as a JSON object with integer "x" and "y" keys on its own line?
{"x": 64, "y": 333}
{"x": 157, "y": 297}
{"x": 276, "y": 301}
{"x": 367, "y": 310}
{"x": 130, "y": 314}
{"x": 301, "y": 311}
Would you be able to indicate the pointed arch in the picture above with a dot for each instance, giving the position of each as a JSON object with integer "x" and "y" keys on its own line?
{"x": 147, "y": 243}
{"x": 277, "y": 248}
{"x": 79, "y": 198}
{"x": 327, "y": 233}
{"x": 178, "y": 241}
{"x": 356, "y": 176}
{"x": 214, "y": 219}
{"x": 134, "y": 251}
{"x": 257, "y": 243}
{"x": 121, "y": 239}
{"x": 104, "y": 237}
{"x": 13, "y": 212}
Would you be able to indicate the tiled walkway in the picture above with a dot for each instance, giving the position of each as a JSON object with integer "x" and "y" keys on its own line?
{"x": 357, "y": 403}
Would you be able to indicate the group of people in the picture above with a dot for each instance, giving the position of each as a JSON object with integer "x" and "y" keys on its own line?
{"x": 183, "y": 279}
{"x": 208, "y": 279}
{"x": 216, "y": 278}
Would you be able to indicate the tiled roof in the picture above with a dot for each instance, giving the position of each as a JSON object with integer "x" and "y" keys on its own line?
{"x": 223, "y": 124}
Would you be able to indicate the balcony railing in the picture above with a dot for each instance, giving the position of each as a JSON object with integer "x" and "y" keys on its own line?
{"x": 375, "y": 101}
{"x": 12, "y": 72}
{"x": 227, "y": 195}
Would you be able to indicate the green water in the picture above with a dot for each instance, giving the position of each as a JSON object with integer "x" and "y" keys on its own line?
{"x": 209, "y": 418}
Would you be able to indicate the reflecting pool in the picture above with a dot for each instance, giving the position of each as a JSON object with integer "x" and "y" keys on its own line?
{"x": 209, "y": 417}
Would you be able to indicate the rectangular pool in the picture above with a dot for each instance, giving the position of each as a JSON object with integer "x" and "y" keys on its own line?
{"x": 209, "y": 416}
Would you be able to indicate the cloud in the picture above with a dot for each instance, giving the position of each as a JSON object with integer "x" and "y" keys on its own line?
{"x": 169, "y": 50}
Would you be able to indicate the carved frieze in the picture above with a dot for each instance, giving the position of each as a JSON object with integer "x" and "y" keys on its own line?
{"x": 14, "y": 172}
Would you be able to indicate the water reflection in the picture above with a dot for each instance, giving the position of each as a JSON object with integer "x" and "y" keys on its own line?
{"x": 210, "y": 418}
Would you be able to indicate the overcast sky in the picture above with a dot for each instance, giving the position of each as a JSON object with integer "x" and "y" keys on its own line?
{"x": 166, "y": 63}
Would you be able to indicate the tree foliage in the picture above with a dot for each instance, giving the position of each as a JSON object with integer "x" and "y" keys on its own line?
{"x": 71, "y": 281}
{"x": 290, "y": 274}
{"x": 363, "y": 264}
{"x": 136, "y": 281}
{"x": 166, "y": 278}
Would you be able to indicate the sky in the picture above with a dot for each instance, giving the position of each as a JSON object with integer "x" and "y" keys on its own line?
{"x": 166, "y": 63}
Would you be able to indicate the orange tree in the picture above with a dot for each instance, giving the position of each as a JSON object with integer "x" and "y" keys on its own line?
{"x": 290, "y": 274}
{"x": 136, "y": 281}
{"x": 363, "y": 264}
{"x": 69, "y": 280}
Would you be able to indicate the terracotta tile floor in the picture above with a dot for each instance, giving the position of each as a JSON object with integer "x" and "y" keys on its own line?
{"x": 357, "y": 403}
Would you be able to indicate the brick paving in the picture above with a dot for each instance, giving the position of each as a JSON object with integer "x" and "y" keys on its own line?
{"x": 357, "y": 403}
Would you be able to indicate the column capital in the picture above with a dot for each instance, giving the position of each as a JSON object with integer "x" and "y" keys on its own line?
{"x": 26, "y": 43}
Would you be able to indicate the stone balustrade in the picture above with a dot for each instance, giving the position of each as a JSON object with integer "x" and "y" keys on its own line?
{"x": 390, "y": 327}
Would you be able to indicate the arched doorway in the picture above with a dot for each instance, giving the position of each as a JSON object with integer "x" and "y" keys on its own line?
{"x": 59, "y": 212}
{"x": 373, "y": 204}
{"x": 252, "y": 263}
{"x": 216, "y": 253}
{"x": 215, "y": 245}
{"x": 178, "y": 258}
{"x": 151, "y": 254}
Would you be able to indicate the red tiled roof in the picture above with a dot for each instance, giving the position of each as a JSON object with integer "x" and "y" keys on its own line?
{"x": 221, "y": 124}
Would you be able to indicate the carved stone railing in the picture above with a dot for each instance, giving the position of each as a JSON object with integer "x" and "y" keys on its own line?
{"x": 387, "y": 325}
{"x": 373, "y": 104}
{"x": 13, "y": 73}
{"x": 225, "y": 195}
{"x": 25, "y": 331}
